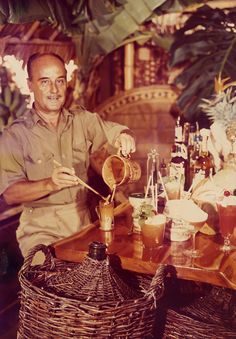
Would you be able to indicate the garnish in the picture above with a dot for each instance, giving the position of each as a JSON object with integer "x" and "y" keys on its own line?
{"x": 227, "y": 193}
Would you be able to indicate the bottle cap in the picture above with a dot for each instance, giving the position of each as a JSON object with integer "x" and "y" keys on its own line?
{"x": 192, "y": 128}
{"x": 97, "y": 250}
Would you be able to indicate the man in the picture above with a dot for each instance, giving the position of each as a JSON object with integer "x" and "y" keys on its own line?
{"x": 44, "y": 151}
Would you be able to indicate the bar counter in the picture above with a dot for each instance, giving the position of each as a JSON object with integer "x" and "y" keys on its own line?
{"x": 212, "y": 267}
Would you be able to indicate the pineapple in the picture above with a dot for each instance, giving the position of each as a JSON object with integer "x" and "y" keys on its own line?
{"x": 222, "y": 108}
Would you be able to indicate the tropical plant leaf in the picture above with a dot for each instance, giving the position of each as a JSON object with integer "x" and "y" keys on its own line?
{"x": 206, "y": 47}
{"x": 125, "y": 23}
{"x": 164, "y": 42}
{"x": 100, "y": 12}
{"x": 140, "y": 37}
{"x": 24, "y": 11}
{"x": 97, "y": 27}
{"x": 21, "y": 11}
{"x": 101, "y": 39}
{"x": 176, "y": 5}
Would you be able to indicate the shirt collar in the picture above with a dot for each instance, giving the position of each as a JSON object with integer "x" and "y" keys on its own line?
{"x": 30, "y": 118}
{"x": 35, "y": 117}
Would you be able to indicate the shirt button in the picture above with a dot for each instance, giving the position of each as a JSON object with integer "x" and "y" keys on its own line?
{"x": 31, "y": 210}
{"x": 39, "y": 161}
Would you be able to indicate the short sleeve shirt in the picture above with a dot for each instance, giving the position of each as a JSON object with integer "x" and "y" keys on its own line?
{"x": 28, "y": 149}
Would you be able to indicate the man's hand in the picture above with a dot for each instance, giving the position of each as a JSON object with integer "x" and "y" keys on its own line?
{"x": 26, "y": 191}
{"x": 63, "y": 177}
{"x": 126, "y": 143}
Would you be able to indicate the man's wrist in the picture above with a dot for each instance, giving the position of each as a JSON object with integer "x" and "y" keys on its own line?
{"x": 50, "y": 186}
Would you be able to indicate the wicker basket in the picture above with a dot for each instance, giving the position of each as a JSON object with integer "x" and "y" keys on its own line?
{"x": 58, "y": 300}
{"x": 181, "y": 326}
{"x": 211, "y": 316}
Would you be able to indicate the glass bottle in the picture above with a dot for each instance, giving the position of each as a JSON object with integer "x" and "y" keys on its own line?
{"x": 152, "y": 176}
{"x": 195, "y": 154}
{"x": 204, "y": 165}
{"x": 97, "y": 251}
{"x": 93, "y": 280}
{"x": 152, "y": 167}
{"x": 231, "y": 136}
{"x": 178, "y": 166}
{"x": 190, "y": 151}
{"x": 231, "y": 159}
{"x": 186, "y": 132}
{"x": 178, "y": 132}
{"x": 191, "y": 140}
{"x": 163, "y": 168}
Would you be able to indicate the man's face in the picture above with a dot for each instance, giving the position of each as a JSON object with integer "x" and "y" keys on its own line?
{"x": 48, "y": 83}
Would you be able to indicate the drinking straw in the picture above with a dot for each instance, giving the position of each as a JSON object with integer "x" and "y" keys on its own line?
{"x": 188, "y": 193}
{"x": 148, "y": 186}
{"x": 163, "y": 186}
{"x": 113, "y": 193}
{"x": 90, "y": 188}
{"x": 152, "y": 191}
{"x": 82, "y": 182}
{"x": 179, "y": 181}
{"x": 211, "y": 177}
{"x": 156, "y": 197}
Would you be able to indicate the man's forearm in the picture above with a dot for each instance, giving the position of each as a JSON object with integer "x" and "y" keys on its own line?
{"x": 25, "y": 191}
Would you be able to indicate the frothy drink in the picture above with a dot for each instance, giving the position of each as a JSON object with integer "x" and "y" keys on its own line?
{"x": 227, "y": 215}
{"x": 153, "y": 231}
{"x": 105, "y": 211}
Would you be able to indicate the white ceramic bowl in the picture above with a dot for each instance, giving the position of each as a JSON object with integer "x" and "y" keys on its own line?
{"x": 187, "y": 210}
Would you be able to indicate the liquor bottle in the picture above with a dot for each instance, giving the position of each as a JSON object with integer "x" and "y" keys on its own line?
{"x": 191, "y": 140}
{"x": 178, "y": 132}
{"x": 186, "y": 132}
{"x": 178, "y": 161}
{"x": 190, "y": 150}
{"x": 163, "y": 168}
{"x": 204, "y": 164}
{"x": 194, "y": 154}
{"x": 152, "y": 166}
{"x": 178, "y": 165}
{"x": 230, "y": 161}
{"x": 152, "y": 176}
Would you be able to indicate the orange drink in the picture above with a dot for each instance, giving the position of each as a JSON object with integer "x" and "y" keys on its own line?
{"x": 227, "y": 215}
{"x": 153, "y": 231}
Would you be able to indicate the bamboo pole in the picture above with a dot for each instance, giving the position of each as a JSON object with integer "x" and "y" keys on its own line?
{"x": 129, "y": 66}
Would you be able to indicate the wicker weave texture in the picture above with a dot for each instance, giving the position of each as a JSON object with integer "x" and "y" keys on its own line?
{"x": 94, "y": 281}
{"x": 180, "y": 326}
{"x": 44, "y": 314}
{"x": 218, "y": 307}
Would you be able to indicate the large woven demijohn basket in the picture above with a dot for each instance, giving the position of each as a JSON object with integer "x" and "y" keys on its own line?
{"x": 93, "y": 299}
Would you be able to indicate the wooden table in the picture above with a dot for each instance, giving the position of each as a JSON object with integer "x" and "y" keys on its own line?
{"x": 212, "y": 267}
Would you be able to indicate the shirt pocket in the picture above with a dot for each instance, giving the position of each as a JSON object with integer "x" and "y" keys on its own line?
{"x": 80, "y": 157}
{"x": 39, "y": 166}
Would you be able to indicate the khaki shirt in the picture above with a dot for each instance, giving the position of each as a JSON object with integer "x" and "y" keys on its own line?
{"x": 28, "y": 148}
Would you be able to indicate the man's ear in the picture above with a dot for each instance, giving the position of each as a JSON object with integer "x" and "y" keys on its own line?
{"x": 29, "y": 85}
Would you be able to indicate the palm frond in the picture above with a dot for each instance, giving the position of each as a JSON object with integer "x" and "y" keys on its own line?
{"x": 206, "y": 48}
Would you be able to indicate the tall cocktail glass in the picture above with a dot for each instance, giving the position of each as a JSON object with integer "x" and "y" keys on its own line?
{"x": 227, "y": 220}
{"x": 153, "y": 230}
{"x": 191, "y": 217}
{"x": 193, "y": 229}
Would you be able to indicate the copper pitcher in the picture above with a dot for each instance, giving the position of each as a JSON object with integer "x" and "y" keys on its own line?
{"x": 119, "y": 170}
